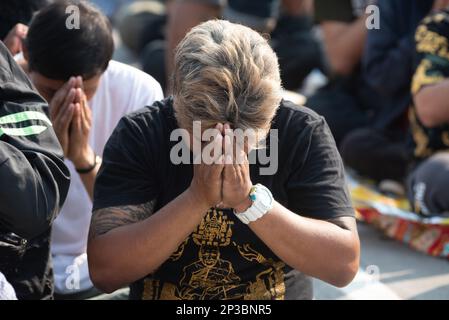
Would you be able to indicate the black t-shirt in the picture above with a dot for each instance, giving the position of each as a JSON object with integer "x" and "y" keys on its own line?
{"x": 223, "y": 258}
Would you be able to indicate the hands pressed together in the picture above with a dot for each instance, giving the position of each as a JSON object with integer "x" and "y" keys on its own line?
{"x": 72, "y": 120}
{"x": 15, "y": 37}
{"x": 226, "y": 182}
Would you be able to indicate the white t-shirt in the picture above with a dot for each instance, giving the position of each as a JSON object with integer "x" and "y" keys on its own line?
{"x": 6, "y": 290}
{"x": 123, "y": 89}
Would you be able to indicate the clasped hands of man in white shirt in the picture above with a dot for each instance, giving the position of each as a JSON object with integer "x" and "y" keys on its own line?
{"x": 72, "y": 121}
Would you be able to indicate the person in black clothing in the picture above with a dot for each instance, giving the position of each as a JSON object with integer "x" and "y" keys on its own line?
{"x": 379, "y": 151}
{"x": 222, "y": 229}
{"x": 34, "y": 183}
{"x": 428, "y": 182}
{"x": 346, "y": 102}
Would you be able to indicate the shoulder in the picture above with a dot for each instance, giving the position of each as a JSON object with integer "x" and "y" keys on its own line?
{"x": 159, "y": 116}
{"x": 300, "y": 130}
{"x": 126, "y": 74}
{"x": 291, "y": 117}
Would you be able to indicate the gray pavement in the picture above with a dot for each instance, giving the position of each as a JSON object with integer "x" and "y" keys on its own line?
{"x": 403, "y": 273}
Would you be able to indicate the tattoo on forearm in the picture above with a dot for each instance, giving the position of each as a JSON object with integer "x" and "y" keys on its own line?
{"x": 105, "y": 220}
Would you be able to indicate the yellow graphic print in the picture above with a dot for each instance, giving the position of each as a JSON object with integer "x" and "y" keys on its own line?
{"x": 434, "y": 47}
{"x": 422, "y": 78}
{"x": 214, "y": 230}
{"x": 431, "y": 42}
{"x": 269, "y": 284}
{"x": 422, "y": 149}
{"x": 211, "y": 276}
{"x": 150, "y": 289}
{"x": 178, "y": 253}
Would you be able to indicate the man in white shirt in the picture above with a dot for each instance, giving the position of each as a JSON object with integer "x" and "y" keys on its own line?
{"x": 88, "y": 94}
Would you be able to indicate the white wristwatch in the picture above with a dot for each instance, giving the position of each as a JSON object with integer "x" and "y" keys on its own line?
{"x": 262, "y": 203}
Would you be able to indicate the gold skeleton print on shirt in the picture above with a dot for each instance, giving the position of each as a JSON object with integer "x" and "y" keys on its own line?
{"x": 210, "y": 275}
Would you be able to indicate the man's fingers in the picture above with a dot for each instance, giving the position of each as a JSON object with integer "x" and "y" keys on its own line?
{"x": 86, "y": 119}
{"x": 76, "y": 123}
{"x": 229, "y": 172}
{"x": 80, "y": 82}
{"x": 60, "y": 96}
{"x": 56, "y": 111}
{"x": 69, "y": 98}
{"x": 87, "y": 110}
{"x": 15, "y": 37}
{"x": 216, "y": 169}
{"x": 80, "y": 100}
{"x": 21, "y": 30}
{"x": 64, "y": 118}
{"x": 220, "y": 128}
{"x": 228, "y": 149}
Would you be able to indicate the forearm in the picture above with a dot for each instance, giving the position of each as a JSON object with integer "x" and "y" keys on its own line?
{"x": 297, "y": 7}
{"x": 128, "y": 253}
{"x": 432, "y": 104}
{"x": 344, "y": 44}
{"x": 308, "y": 245}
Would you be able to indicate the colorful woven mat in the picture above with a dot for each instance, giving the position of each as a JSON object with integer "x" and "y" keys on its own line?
{"x": 394, "y": 218}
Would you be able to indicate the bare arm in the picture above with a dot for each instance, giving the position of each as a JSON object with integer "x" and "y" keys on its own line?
{"x": 432, "y": 104}
{"x": 344, "y": 43}
{"x": 127, "y": 243}
{"x": 297, "y": 7}
{"x": 303, "y": 243}
{"x": 130, "y": 242}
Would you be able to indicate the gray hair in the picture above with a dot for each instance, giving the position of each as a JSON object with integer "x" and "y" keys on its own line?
{"x": 226, "y": 73}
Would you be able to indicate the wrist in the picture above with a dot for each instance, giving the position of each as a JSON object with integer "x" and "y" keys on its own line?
{"x": 262, "y": 203}
{"x": 245, "y": 205}
{"x": 199, "y": 201}
{"x": 86, "y": 159}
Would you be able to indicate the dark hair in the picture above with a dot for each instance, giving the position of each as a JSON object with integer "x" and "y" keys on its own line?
{"x": 59, "y": 52}
{"x": 13, "y": 12}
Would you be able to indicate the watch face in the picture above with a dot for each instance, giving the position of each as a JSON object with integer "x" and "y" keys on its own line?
{"x": 264, "y": 197}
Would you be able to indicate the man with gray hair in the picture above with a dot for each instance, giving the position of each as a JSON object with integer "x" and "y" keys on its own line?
{"x": 221, "y": 229}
